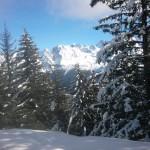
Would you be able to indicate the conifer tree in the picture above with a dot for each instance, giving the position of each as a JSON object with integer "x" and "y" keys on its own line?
{"x": 7, "y": 51}
{"x": 58, "y": 105}
{"x": 6, "y": 71}
{"x": 123, "y": 97}
{"x": 6, "y": 63}
{"x": 90, "y": 113}
{"x": 78, "y": 105}
{"x": 33, "y": 86}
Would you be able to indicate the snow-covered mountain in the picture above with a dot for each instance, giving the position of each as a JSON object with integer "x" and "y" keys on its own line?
{"x": 67, "y": 56}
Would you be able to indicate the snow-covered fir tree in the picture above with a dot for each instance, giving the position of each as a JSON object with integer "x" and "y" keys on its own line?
{"x": 125, "y": 83}
{"x": 90, "y": 113}
{"x": 7, "y": 49}
{"x": 6, "y": 71}
{"x": 58, "y": 105}
{"x": 78, "y": 104}
{"x": 33, "y": 87}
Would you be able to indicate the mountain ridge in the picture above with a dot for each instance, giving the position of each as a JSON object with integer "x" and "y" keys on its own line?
{"x": 67, "y": 56}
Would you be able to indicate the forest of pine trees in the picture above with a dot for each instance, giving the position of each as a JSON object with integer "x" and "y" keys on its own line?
{"x": 112, "y": 103}
{"x": 27, "y": 92}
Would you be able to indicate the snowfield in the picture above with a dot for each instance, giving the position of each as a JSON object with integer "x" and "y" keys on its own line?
{"x": 25, "y": 139}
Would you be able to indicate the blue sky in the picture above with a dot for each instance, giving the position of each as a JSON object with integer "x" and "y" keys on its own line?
{"x": 53, "y": 22}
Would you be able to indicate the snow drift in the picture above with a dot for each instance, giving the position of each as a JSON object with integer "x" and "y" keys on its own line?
{"x": 26, "y": 139}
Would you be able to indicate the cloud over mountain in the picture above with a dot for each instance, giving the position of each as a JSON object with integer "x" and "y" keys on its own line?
{"x": 76, "y": 9}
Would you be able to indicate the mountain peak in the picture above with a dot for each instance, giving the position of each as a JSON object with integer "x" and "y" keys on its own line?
{"x": 70, "y": 55}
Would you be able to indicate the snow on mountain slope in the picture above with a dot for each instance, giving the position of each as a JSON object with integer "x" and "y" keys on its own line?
{"x": 26, "y": 139}
{"x": 67, "y": 56}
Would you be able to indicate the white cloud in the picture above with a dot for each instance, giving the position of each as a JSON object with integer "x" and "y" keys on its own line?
{"x": 76, "y": 9}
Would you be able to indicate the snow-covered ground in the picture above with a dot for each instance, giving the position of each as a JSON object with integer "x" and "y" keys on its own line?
{"x": 25, "y": 139}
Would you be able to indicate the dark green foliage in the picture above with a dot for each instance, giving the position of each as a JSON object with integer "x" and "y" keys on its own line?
{"x": 32, "y": 85}
{"x": 27, "y": 91}
{"x": 6, "y": 74}
{"x": 59, "y": 106}
{"x": 77, "y": 105}
{"x": 124, "y": 85}
{"x": 91, "y": 91}
{"x": 82, "y": 116}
